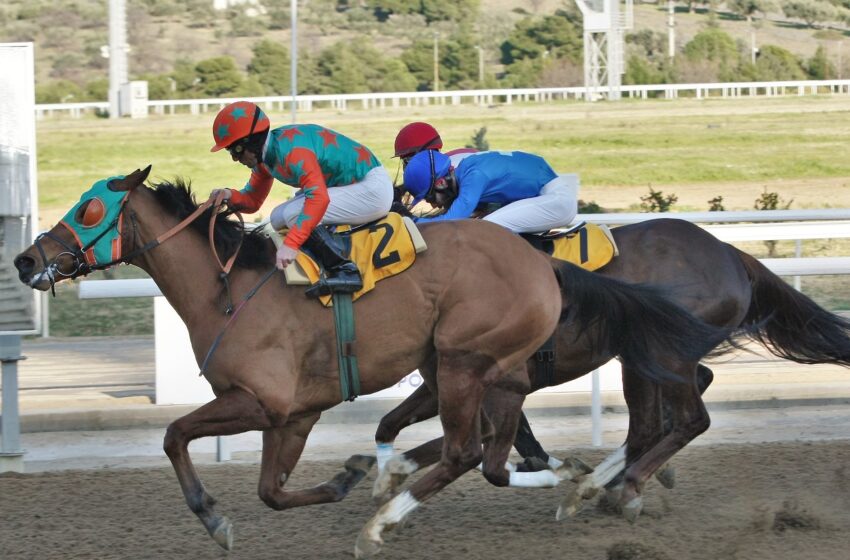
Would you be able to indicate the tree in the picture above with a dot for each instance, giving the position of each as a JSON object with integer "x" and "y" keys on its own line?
{"x": 396, "y": 77}
{"x": 357, "y": 66}
{"x": 59, "y": 91}
{"x": 98, "y": 90}
{"x": 536, "y": 43}
{"x": 556, "y": 35}
{"x": 640, "y": 70}
{"x": 159, "y": 86}
{"x": 776, "y": 63}
{"x": 432, "y": 10}
{"x": 185, "y": 78}
{"x": 218, "y": 76}
{"x": 646, "y": 60}
{"x": 271, "y": 66}
{"x": 819, "y": 67}
{"x": 716, "y": 50}
{"x": 747, "y": 9}
{"x": 458, "y": 62}
{"x": 714, "y": 45}
{"x": 810, "y": 11}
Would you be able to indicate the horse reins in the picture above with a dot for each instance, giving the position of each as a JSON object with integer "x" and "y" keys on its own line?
{"x": 81, "y": 266}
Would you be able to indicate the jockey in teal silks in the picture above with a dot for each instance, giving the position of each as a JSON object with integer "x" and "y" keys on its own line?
{"x": 340, "y": 181}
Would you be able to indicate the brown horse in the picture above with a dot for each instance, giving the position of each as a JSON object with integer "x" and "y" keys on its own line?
{"x": 714, "y": 281}
{"x": 472, "y": 309}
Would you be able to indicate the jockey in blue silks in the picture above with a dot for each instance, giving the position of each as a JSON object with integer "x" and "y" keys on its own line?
{"x": 534, "y": 197}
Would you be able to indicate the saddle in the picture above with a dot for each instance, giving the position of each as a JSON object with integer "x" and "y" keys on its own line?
{"x": 590, "y": 246}
{"x": 380, "y": 249}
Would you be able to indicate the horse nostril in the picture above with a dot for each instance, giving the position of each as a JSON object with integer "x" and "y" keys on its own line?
{"x": 24, "y": 265}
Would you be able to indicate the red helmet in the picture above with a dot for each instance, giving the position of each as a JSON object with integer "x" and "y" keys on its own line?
{"x": 237, "y": 121}
{"x": 415, "y": 137}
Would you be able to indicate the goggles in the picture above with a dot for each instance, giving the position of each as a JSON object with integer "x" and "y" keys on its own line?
{"x": 239, "y": 146}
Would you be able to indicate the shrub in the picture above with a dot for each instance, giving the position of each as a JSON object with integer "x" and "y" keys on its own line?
{"x": 655, "y": 201}
{"x": 771, "y": 201}
{"x": 478, "y": 140}
{"x": 716, "y": 204}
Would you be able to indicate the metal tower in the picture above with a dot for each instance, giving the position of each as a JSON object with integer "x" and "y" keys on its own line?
{"x": 604, "y": 26}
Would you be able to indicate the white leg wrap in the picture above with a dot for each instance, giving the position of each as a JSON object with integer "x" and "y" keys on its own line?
{"x": 541, "y": 479}
{"x": 393, "y": 512}
{"x": 384, "y": 453}
{"x": 397, "y": 465}
{"x": 610, "y": 467}
{"x": 554, "y": 463}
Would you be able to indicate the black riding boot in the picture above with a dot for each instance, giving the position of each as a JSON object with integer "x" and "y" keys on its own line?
{"x": 342, "y": 274}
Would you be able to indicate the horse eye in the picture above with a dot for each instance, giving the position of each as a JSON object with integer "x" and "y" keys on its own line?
{"x": 90, "y": 213}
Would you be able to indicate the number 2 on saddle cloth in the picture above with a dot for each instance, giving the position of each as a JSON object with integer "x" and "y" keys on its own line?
{"x": 380, "y": 249}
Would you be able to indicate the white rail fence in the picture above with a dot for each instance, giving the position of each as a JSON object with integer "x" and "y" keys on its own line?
{"x": 177, "y": 383}
{"x": 342, "y": 102}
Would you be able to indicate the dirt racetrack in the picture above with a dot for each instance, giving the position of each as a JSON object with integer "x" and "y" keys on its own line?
{"x": 772, "y": 501}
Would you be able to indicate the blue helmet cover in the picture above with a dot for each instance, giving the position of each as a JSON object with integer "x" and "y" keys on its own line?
{"x": 417, "y": 175}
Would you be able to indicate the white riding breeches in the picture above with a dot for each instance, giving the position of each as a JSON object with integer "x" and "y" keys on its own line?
{"x": 555, "y": 207}
{"x": 357, "y": 203}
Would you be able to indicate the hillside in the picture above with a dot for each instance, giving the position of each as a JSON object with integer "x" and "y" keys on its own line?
{"x": 69, "y": 34}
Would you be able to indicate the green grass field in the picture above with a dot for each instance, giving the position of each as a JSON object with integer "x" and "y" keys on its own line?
{"x": 695, "y": 149}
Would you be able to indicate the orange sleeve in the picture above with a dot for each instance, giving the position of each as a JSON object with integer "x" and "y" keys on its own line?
{"x": 306, "y": 170}
{"x": 252, "y": 196}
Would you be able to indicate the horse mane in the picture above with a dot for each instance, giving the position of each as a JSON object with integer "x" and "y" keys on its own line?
{"x": 177, "y": 199}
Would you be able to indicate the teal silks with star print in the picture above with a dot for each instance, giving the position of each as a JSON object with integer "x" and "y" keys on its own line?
{"x": 92, "y": 218}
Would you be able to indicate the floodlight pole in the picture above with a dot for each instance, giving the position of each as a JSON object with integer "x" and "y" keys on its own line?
{"x": 293, "y": 62}
{"x": 671, "y": 29}
{"x": 436, "y": 61}
{"x": 117, "y": 54}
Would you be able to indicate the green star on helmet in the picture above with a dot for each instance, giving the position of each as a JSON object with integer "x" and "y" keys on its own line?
{"x": 238, "y": 113}
{"x": 223, "y": 131}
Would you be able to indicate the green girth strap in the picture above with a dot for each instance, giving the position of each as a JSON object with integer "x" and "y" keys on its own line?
{"x": 349, "y": 374}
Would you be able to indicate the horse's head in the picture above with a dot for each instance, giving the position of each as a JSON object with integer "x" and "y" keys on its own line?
{"x": 87, "y": 238}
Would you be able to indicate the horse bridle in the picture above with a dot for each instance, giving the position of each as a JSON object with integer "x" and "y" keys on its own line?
{"x": 82, "y": 267}
{"x": 78, "y": 254}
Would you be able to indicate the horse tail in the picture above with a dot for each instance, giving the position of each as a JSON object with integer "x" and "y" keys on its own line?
{"x": 636, "y": 322}
{"x": 789, "y": 324}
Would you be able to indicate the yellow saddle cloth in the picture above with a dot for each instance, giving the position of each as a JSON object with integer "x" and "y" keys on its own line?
{"x": 383, "y": 249}
{"x": 590, "y": 247}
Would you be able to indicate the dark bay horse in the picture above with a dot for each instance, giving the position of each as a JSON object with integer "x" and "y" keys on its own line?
{"x": 472, "y": 309}
{"x": 713, "y": 280}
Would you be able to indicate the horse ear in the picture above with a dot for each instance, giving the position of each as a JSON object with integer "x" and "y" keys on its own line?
{"x": 131, "y": 181}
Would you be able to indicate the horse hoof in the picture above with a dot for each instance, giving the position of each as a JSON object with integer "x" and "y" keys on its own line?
{"x": 363, "y": 463}
{"x": 572, "y": 469}
{"x": 614, "y": 494}
{"x": 631, "y": 511}
{"x": 532, "y": 464}
{"x": 223, "y": 534}
{"x": 365, "y": 547}
{"x": 667, "y": 477}
{"x": 570, "y": 506}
